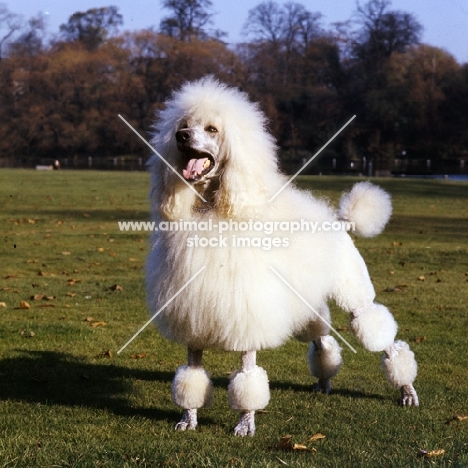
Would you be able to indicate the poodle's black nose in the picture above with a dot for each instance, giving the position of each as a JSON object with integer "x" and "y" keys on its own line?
{"x": 182, "y": 136}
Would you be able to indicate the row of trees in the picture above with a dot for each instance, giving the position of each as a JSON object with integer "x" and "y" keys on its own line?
{"x": 61, "y": 98}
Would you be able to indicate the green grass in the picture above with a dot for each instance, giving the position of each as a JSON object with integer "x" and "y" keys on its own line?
{"x": 65, "y": 401}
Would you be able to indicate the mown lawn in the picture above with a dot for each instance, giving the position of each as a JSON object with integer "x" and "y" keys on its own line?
{"x": 72, "y": 293}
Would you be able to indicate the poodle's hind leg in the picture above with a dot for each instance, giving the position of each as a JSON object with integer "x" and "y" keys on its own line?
{"x": 191, "y": 389}
{"x": 248, "y": 391}
{"x": 325, "y": 360}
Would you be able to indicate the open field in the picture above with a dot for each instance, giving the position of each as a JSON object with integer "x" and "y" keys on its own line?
{"x": 72, "y": 293}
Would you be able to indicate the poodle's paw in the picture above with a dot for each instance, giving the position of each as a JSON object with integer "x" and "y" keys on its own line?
{"x": 246, "y": 425}
{"x": 322, "y": 386}
{"x": 409, "y": 397}
{"x": 188, "y": 421}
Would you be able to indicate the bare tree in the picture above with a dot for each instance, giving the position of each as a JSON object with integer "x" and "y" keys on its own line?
{"x": 9, "y": 22}
{"x": 382, "y": 32}
{"x": 92, "y": 27}
{"x": 188, "y": 20}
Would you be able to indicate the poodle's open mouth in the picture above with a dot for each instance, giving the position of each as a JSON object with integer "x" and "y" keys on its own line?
{"x": 198, "y": 164}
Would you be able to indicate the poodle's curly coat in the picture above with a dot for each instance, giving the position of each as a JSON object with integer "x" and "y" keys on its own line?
{"x": 216, "y": 140}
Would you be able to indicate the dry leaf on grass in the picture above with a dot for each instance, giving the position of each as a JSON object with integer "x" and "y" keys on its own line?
{"x": 421, "y": 278}
{"x": 23, "y": 305}
{"x": 400, "y": 288}
{"x": 299, "y": 447}
{"x": 116, "y": 287}
{"x": 42, "y": 297}
{"x": 317, "y": 436}
{"x": 431, "y": 453}
{"x": 107, "y": 353}
{"x": 28, "y": 334}
{"x": 457, "y": 418}
{"x": 98, "y": 324}
{"x": 138, "y": 356}
{"x": 285, "y": 443}
{"x": 3, "y": 304}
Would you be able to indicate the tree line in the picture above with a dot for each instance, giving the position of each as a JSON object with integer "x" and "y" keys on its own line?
{"x": 60, "y": 98}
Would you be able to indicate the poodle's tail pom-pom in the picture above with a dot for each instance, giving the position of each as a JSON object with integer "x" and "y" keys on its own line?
{"x": 368, "y": 207}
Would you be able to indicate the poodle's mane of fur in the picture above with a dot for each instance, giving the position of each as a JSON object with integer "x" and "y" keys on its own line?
{"x": 242, "y": 125}
{"x": 227, "y": 308}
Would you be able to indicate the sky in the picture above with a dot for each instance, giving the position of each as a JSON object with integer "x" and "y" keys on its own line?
{"x": 445, "y": 22}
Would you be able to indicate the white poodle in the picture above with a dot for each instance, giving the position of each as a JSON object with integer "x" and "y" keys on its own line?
{"x": 264, "y": 272}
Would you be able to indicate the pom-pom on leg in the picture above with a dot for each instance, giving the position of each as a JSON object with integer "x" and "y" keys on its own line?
{"x": 248, "y": 391}
{"x": 400, "y": 368}
{"x": 325, "y": 360}
{"x": 191, "y": 389}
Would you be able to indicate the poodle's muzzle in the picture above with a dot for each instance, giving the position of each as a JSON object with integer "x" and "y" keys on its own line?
{"x": 199, "y": 148}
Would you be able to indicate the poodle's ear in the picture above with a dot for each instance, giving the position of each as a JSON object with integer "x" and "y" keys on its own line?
{"x": 249, "y": 172}
{"x": 169, "y": 196}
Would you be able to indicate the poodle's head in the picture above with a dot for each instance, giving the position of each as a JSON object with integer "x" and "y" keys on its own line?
{"x": 214, "y": 137}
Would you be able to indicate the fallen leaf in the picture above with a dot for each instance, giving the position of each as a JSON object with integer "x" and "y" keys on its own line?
{"x": 396, "y": 289}
{"x": 100, "y": 249}
{"x": 459, "y": 417}
{"x": 66, "y": 253}
{"x": 421, "y": 278}
{"x": 37, "y": 297}
{"x": 116, "y": 287}
{"x": 418, "y": 339}
{"x": 131, "y": 259}
{"x": 89, "y": 319}
{"x": 3, "y": 304}
{"x": 299, "y": 447}
{"x": 431, "y": 453}
{"x": 23, "y": 305}
{"x": 98, "y": 324}
{"x": 71, "y": 294}
{"x": 138, "y": 356}
{"x": 106, "y": 353}
{"x": 285, "y": 443}
{"x": 10, "y": 276}
{"x": 317, "y": 436}
{"x": 28, "y": 334}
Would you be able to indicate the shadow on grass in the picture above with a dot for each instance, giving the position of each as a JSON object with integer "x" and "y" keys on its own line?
{"x": 355, "y": 394}
{"x": 54, "y": 378}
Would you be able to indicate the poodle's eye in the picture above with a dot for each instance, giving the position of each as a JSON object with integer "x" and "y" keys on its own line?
{"x": 211, "y": 129}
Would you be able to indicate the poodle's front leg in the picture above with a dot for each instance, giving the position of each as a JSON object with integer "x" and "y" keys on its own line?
{"x": 248, "y": 391}
{"x": 376, "y": 328}
{"x": 191, "y": 389}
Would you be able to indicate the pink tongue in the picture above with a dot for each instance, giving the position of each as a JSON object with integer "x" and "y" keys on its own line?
{"x": 194, "y": 168}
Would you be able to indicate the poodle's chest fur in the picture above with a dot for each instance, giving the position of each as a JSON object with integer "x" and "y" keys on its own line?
{"x": 237, "y": 302}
